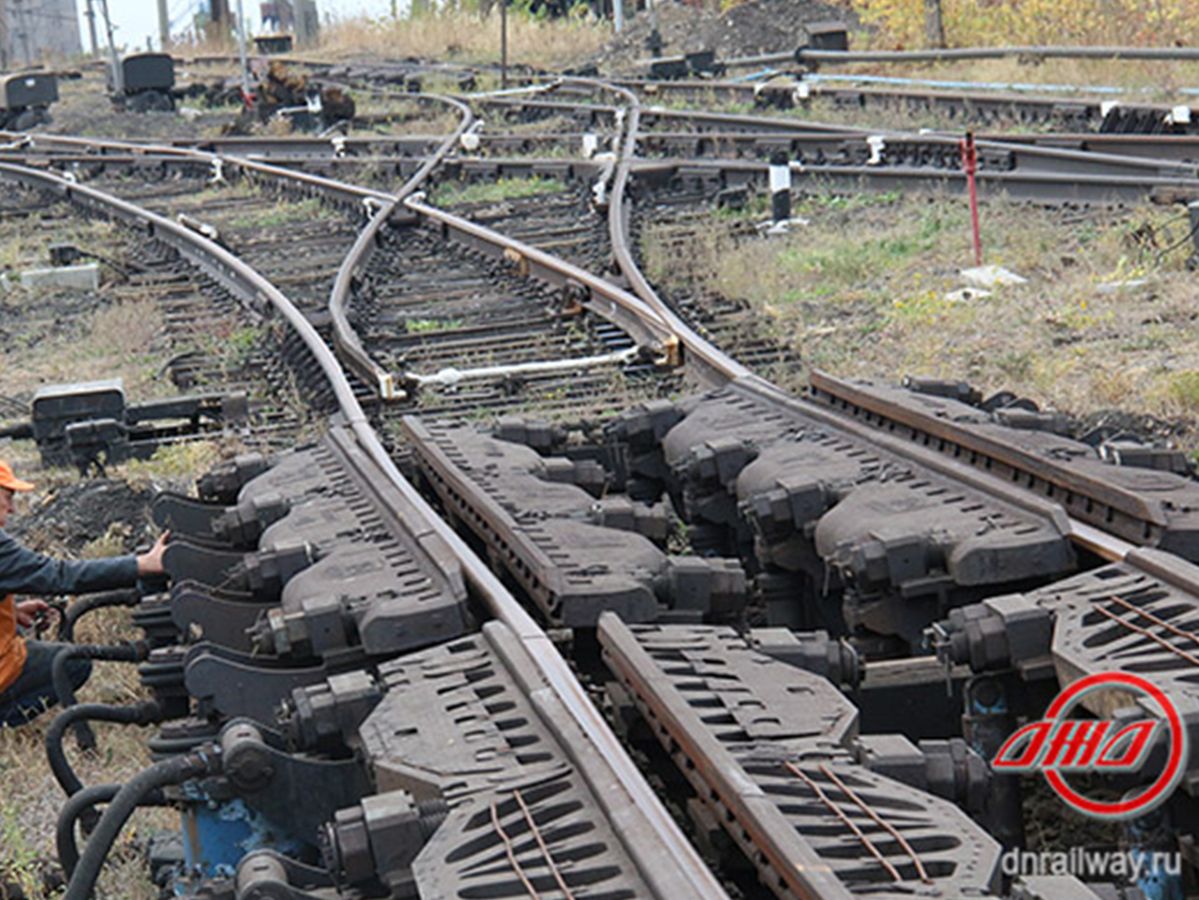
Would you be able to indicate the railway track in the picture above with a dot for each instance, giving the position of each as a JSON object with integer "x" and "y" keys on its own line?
{"x": 342, "y": 690}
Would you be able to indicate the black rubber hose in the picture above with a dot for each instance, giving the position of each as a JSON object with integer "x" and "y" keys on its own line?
{"x": 144, "y": 713}
{"x": 138, "y": 651}
{"x": 135, "y": 792}
{"x": 90, "y": 603}
{"x": 79, "y": 809}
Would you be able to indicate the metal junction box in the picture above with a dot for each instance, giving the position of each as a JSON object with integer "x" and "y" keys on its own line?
{"x": 28, "y": 89}
{"x": 827, "y": 36}
{"x": 147, "y": 72}
{"x": 56, "y": 407}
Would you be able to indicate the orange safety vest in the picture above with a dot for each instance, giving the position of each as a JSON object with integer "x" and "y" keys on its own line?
{"x": 12, "y": 645}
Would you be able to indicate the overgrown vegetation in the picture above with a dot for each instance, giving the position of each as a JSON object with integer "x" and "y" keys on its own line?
{"x": 452, "y": 193}
{"x": 967, "y": 23}
{"x": 471, "y": 32}
{"x": 870, "y": 288}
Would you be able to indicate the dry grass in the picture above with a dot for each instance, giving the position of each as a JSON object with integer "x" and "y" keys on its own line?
{"x": 459, "y": 36}
{"x": 862, "y": 291}
{"x": 32, "y": 798}
{"x": 64, "y": 336}
{"x": 107, "y": 342}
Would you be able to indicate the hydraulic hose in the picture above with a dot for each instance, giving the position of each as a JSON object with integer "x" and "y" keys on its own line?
{"x": 134, "y": 793}
{"x": 90, "y": 603}
{"x": 138, "y": 651}
{"x": 144, "y": 713}
{"x": 80, "y": 808}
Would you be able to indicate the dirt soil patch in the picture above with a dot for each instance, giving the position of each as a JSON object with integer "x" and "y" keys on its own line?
{"x": 748, "y": 29}
{"x": 70, "y": 518}
{"x": 84, "y": 110}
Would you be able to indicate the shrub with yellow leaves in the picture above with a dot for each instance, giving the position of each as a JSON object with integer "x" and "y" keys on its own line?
{"x": 999, "y": 22}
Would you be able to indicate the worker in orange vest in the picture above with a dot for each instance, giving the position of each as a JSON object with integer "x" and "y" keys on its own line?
{"x": 26, "y": 687}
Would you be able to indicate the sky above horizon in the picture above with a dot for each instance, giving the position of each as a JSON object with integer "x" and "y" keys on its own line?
{"x": 136, "y": 20}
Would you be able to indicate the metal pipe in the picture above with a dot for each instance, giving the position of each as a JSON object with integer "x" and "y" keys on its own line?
{"x": 136, "y": 792}
{"x": 450, "y": 377}
{"x": 137, "y": 651}
{"x": 142, "y": 713}
{"x": 90, "y": 603}
{"x": 118, "y": 74}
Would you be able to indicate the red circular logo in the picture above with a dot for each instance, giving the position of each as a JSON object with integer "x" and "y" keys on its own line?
{"x": 1056, "y": 745}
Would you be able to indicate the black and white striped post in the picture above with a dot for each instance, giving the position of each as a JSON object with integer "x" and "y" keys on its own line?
{"x": 780, "y": 192}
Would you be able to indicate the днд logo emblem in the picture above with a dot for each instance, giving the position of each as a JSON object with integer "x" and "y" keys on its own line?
{"x": 1056, "y": 745}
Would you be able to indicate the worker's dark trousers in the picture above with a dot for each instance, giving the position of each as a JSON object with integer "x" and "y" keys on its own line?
{"x": 33, "y": 691}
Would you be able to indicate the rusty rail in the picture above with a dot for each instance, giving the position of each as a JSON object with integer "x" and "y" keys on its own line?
{"x": 664, "y": 857}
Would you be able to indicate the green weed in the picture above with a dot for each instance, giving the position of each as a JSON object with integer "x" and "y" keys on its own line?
{"x": 430, "y": 326}
{"x": 454, "y": 193}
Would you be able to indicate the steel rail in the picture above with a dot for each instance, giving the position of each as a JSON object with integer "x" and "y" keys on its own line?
{"x": 1032, "y": 160}
{"x": 1031, "y": 52}
{"x": 453, "y": 165}
{"x": 662, "y": 854}
{"x": 605, "y": 298}
{"x": 1033, "y": 186}
{"x": 1062, "y": 152}
{"x": 337, "y": 189}
{"x": 1130, "y": 503}
{"x": 345, "y": 339}
{"x": 719, "y": 369}
{"x": 1166, "y": 155}
{"x": 1117, "y": 147}
{"x": 1172, "y": 147}
{"x": 1037, "y": 186}
{"x": 1058, "y": 158}
{"x": 719, "y": 366}
{"x": 800, "y": 870}
{"x": 789, "y": 89}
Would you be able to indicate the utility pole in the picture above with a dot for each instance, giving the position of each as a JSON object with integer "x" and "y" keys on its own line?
{"x": 164, "y": 26}
{"x": 22, "y": 12}
{"x": 504, "y": 43}
{"x": 241, "y": 51}
{"x": 91, "y": 27}
{"x": 118, "y": 74}
{"x": 934, "y": 25}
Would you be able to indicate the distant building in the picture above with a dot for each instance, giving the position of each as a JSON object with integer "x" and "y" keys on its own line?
{"x": 33, "y": 30}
